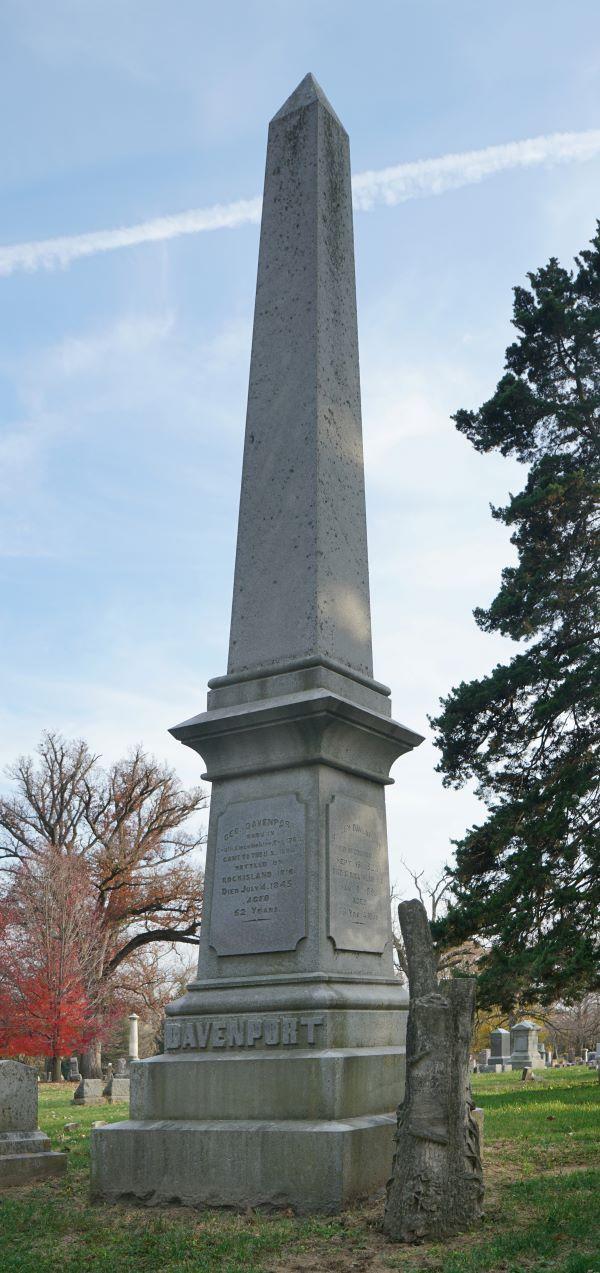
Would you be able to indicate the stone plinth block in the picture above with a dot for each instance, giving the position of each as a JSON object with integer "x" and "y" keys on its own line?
{"x": 328, "y": 1085}
{"x": 25, "y": 1169}
{"x": 307, "y": 1165}
{"x": 33, "y": 1142}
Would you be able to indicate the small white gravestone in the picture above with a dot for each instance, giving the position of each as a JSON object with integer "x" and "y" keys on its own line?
{"x": 25, "y": 1153}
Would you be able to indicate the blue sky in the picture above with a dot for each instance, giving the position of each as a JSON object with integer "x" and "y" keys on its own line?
{"x": 123, "y": 373}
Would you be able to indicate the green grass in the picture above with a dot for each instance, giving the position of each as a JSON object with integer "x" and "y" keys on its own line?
{"x": 542, "y": 1213}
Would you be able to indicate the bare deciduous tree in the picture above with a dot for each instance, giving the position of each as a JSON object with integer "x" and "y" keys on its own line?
{"x": 128, "y": 828}
{"x": 432, "y": 895}
{"x": 573, "y": 1027}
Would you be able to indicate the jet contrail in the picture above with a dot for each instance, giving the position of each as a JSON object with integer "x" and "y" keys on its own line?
{"x": 383, "y": 186}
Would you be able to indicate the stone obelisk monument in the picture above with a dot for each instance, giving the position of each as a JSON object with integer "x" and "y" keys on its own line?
{"x": 283, "y": 1065}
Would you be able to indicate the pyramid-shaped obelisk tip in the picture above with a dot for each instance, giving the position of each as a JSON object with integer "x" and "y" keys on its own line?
{"x": 307, "y": 92}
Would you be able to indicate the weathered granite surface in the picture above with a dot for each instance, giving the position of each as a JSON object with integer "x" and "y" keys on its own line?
{"x": 499, "y": 1047}
{"x": 18, "y": 1097}
{"x": 117, "y": 1088}
{"x": 89, "y": 1092}
{"x": 284, "y": 1061}
{"x": 301, "y": 585}
{"x": 524, "y": 1046}
{"x": 25, "y": 1152}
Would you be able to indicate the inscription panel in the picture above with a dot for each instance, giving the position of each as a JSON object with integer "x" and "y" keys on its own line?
{"x": 259, "y": 892}
{"x": 358, "y": 876}
{"x": 206, "y": 1033}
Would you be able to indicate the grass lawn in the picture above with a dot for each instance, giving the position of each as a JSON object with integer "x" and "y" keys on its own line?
{"x": 542, "y": 1204}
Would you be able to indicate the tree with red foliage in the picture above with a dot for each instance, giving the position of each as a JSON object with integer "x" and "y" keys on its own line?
{"x": 126, "y": 830}
{"x": 48, "y": 933}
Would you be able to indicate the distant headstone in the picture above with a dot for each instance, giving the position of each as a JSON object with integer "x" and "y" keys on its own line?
{"x": 89, "y": 1092}
{"x": 499, "y": 1048}
{"x": 119, "y": 1089}
{"x": 74, "y": 1076}
{"x": 116, "y": 1083}
{"x": 25, "y": 1153}
{"x": 524, "y": 1052}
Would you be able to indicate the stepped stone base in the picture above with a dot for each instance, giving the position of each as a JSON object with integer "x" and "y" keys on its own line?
{"x": 309, "y": 1166}
{"x": 26, "y": 1157}
{"x": 231, "y": 1117}
{"x": 25, "y": 1169}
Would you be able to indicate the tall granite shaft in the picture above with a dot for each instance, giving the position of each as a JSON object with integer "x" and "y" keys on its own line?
{"x": 301, "y": 585}
{"x": 284, "y": 1062}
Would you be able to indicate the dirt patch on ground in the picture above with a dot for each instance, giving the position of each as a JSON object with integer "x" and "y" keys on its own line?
{"x": 363, "y": 1247}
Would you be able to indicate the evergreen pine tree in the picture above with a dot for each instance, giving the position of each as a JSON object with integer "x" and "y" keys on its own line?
{"x": 526, "y": 881}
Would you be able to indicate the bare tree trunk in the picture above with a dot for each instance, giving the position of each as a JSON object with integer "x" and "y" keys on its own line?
{"x": 56, "y": 1070}
{"x": 436, "y": 1187}
{"x": 90, "y": 1062}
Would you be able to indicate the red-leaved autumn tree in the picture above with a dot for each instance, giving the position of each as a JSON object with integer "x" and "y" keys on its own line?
{"x": 48, "y": 930}
{"x": 127, "y": 829}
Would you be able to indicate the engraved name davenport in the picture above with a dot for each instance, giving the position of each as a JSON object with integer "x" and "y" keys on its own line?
{"x": 358, "y": 876}
{"x": 242, "y": 1032}
{"x": 259, "y": 891}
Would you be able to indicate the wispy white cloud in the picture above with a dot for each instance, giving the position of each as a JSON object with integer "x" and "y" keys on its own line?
{"x": 49, "y": 253}
{"x": 435, "y": 176}
{"x": 386, "y": 186}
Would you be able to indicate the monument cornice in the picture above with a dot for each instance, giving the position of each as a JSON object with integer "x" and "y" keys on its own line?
{"x": 315, "y": 727}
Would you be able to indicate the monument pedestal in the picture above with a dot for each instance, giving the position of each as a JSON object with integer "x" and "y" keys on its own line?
{"x": 292, "y": 1109}
{"x": 284, "y": 1063}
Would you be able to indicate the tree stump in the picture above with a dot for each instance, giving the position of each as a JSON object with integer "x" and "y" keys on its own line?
{"x": 436, "y": 1186}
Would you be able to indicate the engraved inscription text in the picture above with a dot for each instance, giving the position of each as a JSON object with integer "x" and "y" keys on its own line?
{"x": 206, "y": 1033}
{"x": 358, "y": 876}
{"x": 258, "y": 902}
